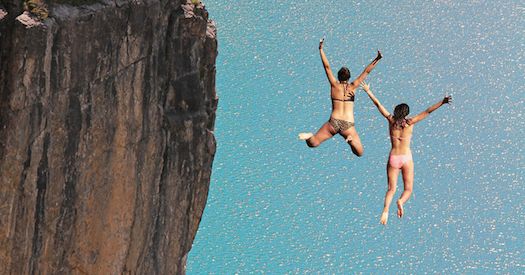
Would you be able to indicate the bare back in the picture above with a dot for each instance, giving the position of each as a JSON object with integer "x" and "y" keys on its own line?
{"x": 400, "y": 138}
{"x": 342, "y": 106}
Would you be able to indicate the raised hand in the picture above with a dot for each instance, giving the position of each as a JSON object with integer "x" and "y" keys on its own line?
{"x": 379, "y": 55}
{"x": 447, "y": 99}
{"x": 365, "y": 86}
{"x": 321, "y": 43}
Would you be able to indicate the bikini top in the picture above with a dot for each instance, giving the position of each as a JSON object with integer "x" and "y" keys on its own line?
{"x": 402, "y": 138}
{"x": 401, "y": 124}
{"x": 350, "y": 99}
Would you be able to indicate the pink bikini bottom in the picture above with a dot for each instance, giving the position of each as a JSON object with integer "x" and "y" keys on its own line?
{"x": 397, "y": 161}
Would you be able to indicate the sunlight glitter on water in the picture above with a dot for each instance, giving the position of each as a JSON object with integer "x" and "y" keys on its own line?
{"x": 276, "y": 206}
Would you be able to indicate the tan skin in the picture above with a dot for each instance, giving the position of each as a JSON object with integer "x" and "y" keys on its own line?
{"x": 400, "y": 141}
{"x": 343, "y": 110}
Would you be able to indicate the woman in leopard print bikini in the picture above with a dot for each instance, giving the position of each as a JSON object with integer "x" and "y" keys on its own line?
{"x": 342, "y": 117}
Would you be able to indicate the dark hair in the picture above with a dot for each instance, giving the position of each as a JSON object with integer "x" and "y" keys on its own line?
{"x": 343, "y": 74}
{"x": 400, "y": 113}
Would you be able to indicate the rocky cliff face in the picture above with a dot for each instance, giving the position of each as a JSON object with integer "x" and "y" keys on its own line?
{"x": 106, "y": 142}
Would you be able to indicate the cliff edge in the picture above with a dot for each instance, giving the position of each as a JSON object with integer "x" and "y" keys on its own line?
{"x": 106, "y": 143}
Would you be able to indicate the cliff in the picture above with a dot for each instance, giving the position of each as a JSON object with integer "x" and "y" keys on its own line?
{"x": 106, "y": 142}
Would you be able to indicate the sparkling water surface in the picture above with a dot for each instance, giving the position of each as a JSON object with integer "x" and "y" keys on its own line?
{"x": 276, "y": 206}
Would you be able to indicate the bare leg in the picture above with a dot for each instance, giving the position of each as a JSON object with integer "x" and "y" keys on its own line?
{"x": 325, "y": 132}
{"x": 392, "y": 174}
{"x": 352, "y": 138}
{"x": 408, "y": 184}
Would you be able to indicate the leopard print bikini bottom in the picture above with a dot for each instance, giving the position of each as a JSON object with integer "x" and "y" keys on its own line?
{"x": 340, "y": 125}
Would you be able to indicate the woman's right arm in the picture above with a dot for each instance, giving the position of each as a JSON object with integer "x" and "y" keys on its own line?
{"x": 326, "y": 65}
{"x": 380, "y": 107}
{"x": 430, "y": 109}
{"x": 368, "y": 69}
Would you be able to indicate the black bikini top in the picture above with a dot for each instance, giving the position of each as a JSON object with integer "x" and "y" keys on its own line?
{"x": 351, "y": 96}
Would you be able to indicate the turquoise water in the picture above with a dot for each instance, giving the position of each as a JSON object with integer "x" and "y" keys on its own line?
{"x": 276, "y": 206}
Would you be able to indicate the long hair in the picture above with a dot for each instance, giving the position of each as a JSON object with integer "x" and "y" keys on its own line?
{"x": 400, "y": 113}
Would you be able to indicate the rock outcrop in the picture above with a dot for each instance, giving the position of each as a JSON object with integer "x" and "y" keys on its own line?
{"x": 106, "y": 143}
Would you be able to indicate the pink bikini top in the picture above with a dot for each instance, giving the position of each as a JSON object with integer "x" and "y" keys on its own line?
{"x": 401, "y": 124}
{"x": 401, "y": 138}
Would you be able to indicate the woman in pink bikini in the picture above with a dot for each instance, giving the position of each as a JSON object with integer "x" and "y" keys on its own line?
{"x": 400, "y": 128}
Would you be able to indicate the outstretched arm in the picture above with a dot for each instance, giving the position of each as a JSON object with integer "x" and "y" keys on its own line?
{"x": 326, "y": 66}
{"x": 368, "y": 69}
{"x": 424, "y": 114}
{"x": 380, "y": 107}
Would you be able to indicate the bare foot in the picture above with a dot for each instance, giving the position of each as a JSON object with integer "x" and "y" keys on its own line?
{"x": 348, "y": 139}
{"x": 384, "y": 218}
{"x": 305, "y": 136}
{"x": 400, "y": 211}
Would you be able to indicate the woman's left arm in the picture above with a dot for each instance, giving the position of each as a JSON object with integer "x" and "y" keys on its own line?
{"x": 326, "y": 65}
{"x": 380, "y": 107}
